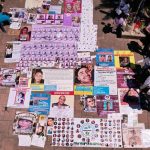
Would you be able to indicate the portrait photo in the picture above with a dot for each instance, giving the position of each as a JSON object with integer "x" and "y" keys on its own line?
{"x": 89, "y": 104}
{"x": 84, "y": 75}
{"x": 37, "y": 76}
{"x": 124, "y": 61}
{"x": 25, "y": 34}
{"x": 9, "y": 50}
{"x": 20, "y": 97}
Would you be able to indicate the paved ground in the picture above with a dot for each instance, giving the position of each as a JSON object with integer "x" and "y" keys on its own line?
{"x": 10, "y": 142}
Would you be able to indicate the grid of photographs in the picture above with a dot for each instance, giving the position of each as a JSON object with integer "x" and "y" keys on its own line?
{"x": 63, "y": 132}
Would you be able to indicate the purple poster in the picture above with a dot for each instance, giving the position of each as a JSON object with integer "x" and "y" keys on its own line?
{"x": 107, "y": 104}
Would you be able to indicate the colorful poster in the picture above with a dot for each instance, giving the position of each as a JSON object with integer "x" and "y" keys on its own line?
{"x": 72, "y": 6}
{"x": 24, "y": 123}
{"x": 39, "y": 103}
{"x": 124, "y": 58}
{"x": 72, "y": 20}
{"x": 126, "y": 79}
{"x": 62, "y": 104}
{"x": 106, "y": 77}
{"x": 86, "y": 132}
{"x": 63, "y": 132}
{"x": 132, "y": 137}
{"x": 12, "y": 52}
{"x": 52, "y": 80}
{"x": 105, "y": 57}
{"x": 8, "y": 77}
{"x": 19, "y": 98}
{"x": 107, "y": 104}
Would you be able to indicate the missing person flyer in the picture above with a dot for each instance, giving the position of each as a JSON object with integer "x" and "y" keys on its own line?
{"x": 39, "y": 103}
{"x": 124, "y": 58}
{"x": 107, "y": 104}
{"x": 24, "y": 123}
{"x": 52, "y": 80}
{"x": 19, "y": 97}
{"x": 106, "y": 77}
{"x": 62, "y": 104}
{"x": 105, "y": 57}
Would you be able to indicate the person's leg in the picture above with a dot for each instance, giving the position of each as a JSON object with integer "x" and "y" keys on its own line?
{"x": 2, "y": 27}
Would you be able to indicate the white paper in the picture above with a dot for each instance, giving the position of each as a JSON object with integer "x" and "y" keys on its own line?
{"x": 62, "y": 78}
{"x": 106, "y": 77}
{"x": 24, "y": 140}
{"x": 38, "y": 141}
{"x": 12, "y": 54}
{"x": 15, "y": 25}
{"x": 55, "y": 8}
{"x": 146, "y": 137}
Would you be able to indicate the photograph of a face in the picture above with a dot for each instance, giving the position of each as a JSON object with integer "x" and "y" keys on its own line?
{"x": 25, "y": 34}
{"x": 84, "y": 75}
{"x": 50, "y": 124}
{"x": 62, "y": 106}
{"x": 24, "y": 123}
{"x": 124, "y": 61}
{"x": 20, "y": 97}
{"x": 37, "y": 76}
{"x": 89, "y": 103}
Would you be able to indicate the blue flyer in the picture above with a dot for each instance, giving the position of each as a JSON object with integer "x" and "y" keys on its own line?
{"x": 105, "y": 57}
{"x": 39, "y": 103}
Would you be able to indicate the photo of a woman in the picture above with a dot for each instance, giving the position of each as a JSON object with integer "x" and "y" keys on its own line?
{"x": 24, "y": 34}
{"x": 20, "y": 98}
{"x": 89, "y": 104}
{"x": 37, "y": 76}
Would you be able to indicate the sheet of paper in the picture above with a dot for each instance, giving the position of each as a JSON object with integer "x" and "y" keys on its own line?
{"x": 146, "y": 137}
{"x": 55, "y": 9}
{"x": 38, "y": 141}
{"x": 62, "y": 104}
{"x": 13, "y": 52}
{"x": 24, "y": 140}
{"x": 106, "y": 77}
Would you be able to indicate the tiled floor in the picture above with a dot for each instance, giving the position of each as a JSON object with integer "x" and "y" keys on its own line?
{"x": 9, "y": 141}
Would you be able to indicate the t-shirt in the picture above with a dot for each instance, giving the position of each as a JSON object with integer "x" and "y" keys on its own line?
{"x": 4, "y": 18}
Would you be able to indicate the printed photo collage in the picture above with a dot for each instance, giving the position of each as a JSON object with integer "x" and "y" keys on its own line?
{"x": 54, "y": 66}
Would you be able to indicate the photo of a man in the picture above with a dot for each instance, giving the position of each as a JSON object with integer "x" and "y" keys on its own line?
{"x": 61, "y": 102}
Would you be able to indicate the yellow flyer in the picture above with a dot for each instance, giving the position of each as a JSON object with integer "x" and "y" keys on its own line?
{"x": 124, "y": 58}
{"x": 83, "y": 90}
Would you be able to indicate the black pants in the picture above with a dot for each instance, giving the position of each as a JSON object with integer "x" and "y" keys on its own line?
{"x": 2, "y": 27}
